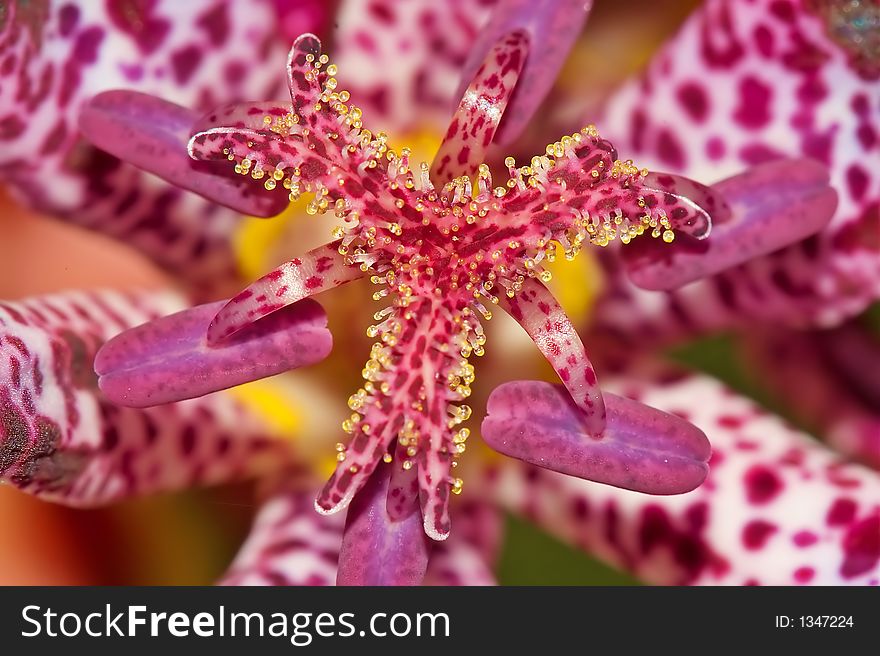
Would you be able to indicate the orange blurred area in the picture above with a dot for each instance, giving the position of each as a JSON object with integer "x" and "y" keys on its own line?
{"x": 40, "y": 255}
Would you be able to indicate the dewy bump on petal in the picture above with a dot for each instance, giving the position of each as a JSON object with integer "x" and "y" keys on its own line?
{"x": 441, "y": 257}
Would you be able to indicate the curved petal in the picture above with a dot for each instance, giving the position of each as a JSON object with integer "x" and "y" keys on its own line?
{"x": 481, "y": 109}
{"x": 640, "y": 449}
{"x": 289, "y": 544}
{"x": 553, "y": 333}
{"x": 405, "y": 58}
{"x": 169, "y": 359}
{"x": 379, "y": 550}
{"x": 62, "y": 440}
{"x": 318, "y": 270}
{"x": 776, "y": 509}
{"x": 552, "y": 27}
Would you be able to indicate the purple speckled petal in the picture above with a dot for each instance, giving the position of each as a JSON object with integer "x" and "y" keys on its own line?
{"x": 481, "y": 109}
{"x": 62, "y": 440}
{"x": 152, "y": 134}
{"x": 377, "y": 550}
{"x": 288, "y": 544}
{"x": 770, "y": 206}
{"x": 318, "y": 270}
{"x": 169, "y": 359}
{"x": 552, "y": 27}
{"x": 641, "y": 449}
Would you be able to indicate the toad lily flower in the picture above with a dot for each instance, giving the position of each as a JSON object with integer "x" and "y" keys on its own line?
{"x": 443, "y": 252}
{"x": 428, "y": 237}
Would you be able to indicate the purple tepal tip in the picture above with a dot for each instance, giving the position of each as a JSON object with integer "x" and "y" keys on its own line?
{"x": 641, "y": 449}
{"x": 169, "y": 359}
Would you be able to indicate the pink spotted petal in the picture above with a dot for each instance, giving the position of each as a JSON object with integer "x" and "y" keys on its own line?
{"x": 288, "y": 544}
{"x": 152, "y": 134}
{"x": 545, "y": 321}
{"x": 641, "y": 449}
{"x": 552, "y": 27}
{"x": 298, "y": 16}
{"x": 59, "y": 55}
{"x": 404, "y": 83}
{"x": 62, "y": 440}
{"x": 777, "y": 507}
{"x": 771, "y": 205}
{"x": 376, "y": 549}
{"x": 318, "y": 270}
{"x": 482, "y": 106}
{"x": 169, "y": 359}
{"x": 744, "y": 83}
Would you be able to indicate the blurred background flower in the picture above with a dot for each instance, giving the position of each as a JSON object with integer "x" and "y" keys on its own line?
{"x": 191, "y": 537}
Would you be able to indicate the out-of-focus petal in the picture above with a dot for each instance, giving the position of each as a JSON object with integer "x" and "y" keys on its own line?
{"x": 62, "y": 440}
{"x": 640, "y": 448}
{"x": 377, "y": 549}
{"x": 289, "y": 543}
{"x": 552, "y": 27}
{"x": 481, "y": 109}
{"x": 771, "y": 206}
{"x": 169, "y": 359}
{"x": 199, "y": 54}
{"x": 298, "y": 16}
{"x": 404, "y": 59}
{"x": 803, "y": 374}
{"x": 152, "y": 134}
{"x": 744, "y": 83}
{"x": 777, "y": 507}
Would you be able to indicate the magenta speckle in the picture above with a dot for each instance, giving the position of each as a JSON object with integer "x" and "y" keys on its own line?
{"x": 756, "y": 533}
{"x": 669, "y": 149}
{"x": 861, "y": 547}
{"x": 841, "y": 512}
{"x": 694, "y": 100}
{"x": 184, "y": 63}
{"x": 804, "y": 574}
{"x": 762, "y": 484}
{"x": 804, "y": 539}
{"x": 753, "y": 111}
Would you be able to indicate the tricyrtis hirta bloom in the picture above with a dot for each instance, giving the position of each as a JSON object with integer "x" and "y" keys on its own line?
{"x": 442, "y": 251}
